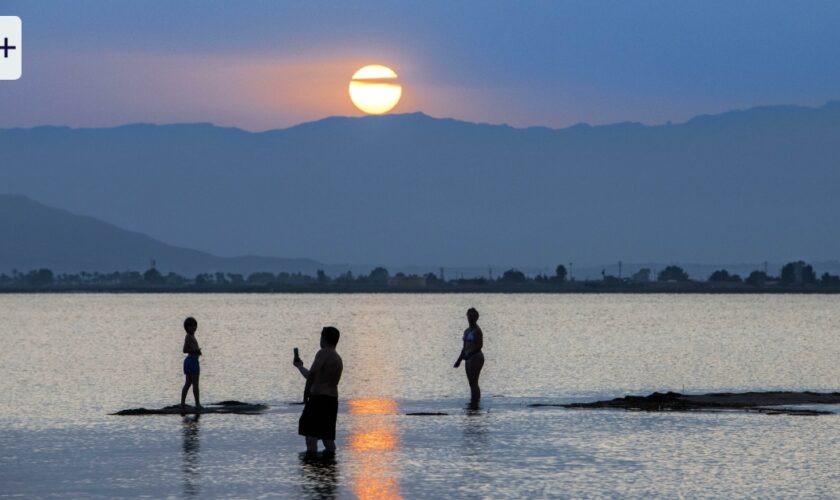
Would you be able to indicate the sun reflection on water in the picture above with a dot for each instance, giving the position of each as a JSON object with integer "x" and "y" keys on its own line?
{"x": 373, "y": 442}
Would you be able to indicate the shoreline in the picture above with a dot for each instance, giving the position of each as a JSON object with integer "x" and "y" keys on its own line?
{"x": 514, "y": 290}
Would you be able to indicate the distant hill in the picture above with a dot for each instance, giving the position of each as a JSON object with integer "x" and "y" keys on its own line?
{"x": 744, "y": 186}
{"x": 36, "y": 236}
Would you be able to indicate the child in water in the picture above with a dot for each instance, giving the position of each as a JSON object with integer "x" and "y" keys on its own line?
{"x": 191, "y": 366}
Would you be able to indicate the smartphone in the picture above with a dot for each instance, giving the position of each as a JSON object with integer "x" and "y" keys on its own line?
{"x": 297, "y": 354}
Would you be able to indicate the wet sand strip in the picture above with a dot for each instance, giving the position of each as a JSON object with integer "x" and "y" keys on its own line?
{"x": 770, "y": 403}
{"x": 237, "y": 407}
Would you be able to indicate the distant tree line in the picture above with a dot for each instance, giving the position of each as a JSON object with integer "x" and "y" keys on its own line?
{"x": 791, "y": 275}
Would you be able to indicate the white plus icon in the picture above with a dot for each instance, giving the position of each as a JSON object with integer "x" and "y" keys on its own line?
{"x": 11, "y": 50}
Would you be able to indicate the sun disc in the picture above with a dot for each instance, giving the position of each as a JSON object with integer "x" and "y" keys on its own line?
{"x": 373, "y": 89}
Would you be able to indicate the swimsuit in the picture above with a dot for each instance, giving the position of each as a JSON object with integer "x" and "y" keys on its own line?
{"x": 191, "y": 366}
{"x": 469, "y": 338}
{"x": 319, "y": 416}
{"x": 469, "y": 335}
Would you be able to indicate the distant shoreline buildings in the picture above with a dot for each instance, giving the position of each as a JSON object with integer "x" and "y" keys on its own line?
{"x": 793, "y": 277}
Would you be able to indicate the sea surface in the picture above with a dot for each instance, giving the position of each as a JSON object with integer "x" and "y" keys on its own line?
{"x": 68, "y": 361}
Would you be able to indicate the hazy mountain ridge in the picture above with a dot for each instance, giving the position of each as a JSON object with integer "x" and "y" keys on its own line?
{"x": 743, "y": 186}
{"x": 44, "y": 237}
{"x": 36, "y": 236}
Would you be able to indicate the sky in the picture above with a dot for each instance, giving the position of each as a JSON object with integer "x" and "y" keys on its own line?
{"x": 261, "y": 65}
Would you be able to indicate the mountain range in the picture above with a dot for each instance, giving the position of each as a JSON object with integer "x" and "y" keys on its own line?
{"x": 36, "y": 236}
{"x": 743, "y": 186}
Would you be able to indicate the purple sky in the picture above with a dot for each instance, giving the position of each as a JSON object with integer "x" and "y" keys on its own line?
{"x": 262, "y": 65}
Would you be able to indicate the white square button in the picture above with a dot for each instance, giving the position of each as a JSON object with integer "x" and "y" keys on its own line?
{"x": 11, "y": 50}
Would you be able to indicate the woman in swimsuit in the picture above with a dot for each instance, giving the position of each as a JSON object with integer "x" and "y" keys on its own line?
{"x": 471, "y": 353}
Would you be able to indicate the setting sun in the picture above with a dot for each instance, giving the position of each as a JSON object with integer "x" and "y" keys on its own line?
{"x": 374, "y": 90}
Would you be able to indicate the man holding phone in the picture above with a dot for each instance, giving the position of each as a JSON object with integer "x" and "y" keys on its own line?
{"x": 320, "y": 396}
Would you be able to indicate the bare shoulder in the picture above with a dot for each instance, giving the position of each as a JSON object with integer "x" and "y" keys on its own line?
{"x": 327, "y": 356}
{"x": 318, "y": 360}
{"x": 331, "y": 358}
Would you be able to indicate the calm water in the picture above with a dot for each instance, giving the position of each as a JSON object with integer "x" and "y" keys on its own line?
{"x": 68, "y": 360}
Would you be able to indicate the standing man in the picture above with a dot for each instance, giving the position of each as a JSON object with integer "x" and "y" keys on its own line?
{"x": 321, "y": 394}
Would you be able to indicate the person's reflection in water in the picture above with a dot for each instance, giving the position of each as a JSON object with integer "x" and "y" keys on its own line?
{"x": 192, "y": 446}
{"x": 373, "y": 444}
{"x": 475, "y": 428}
{"x": 320, "y": 475}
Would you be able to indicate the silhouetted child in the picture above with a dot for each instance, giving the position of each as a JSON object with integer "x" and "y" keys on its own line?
{"x": 191, "y": 366}
{"x": 321, "y": 394}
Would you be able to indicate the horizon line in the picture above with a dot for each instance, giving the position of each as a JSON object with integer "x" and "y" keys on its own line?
{"x": 667, "y": 123}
